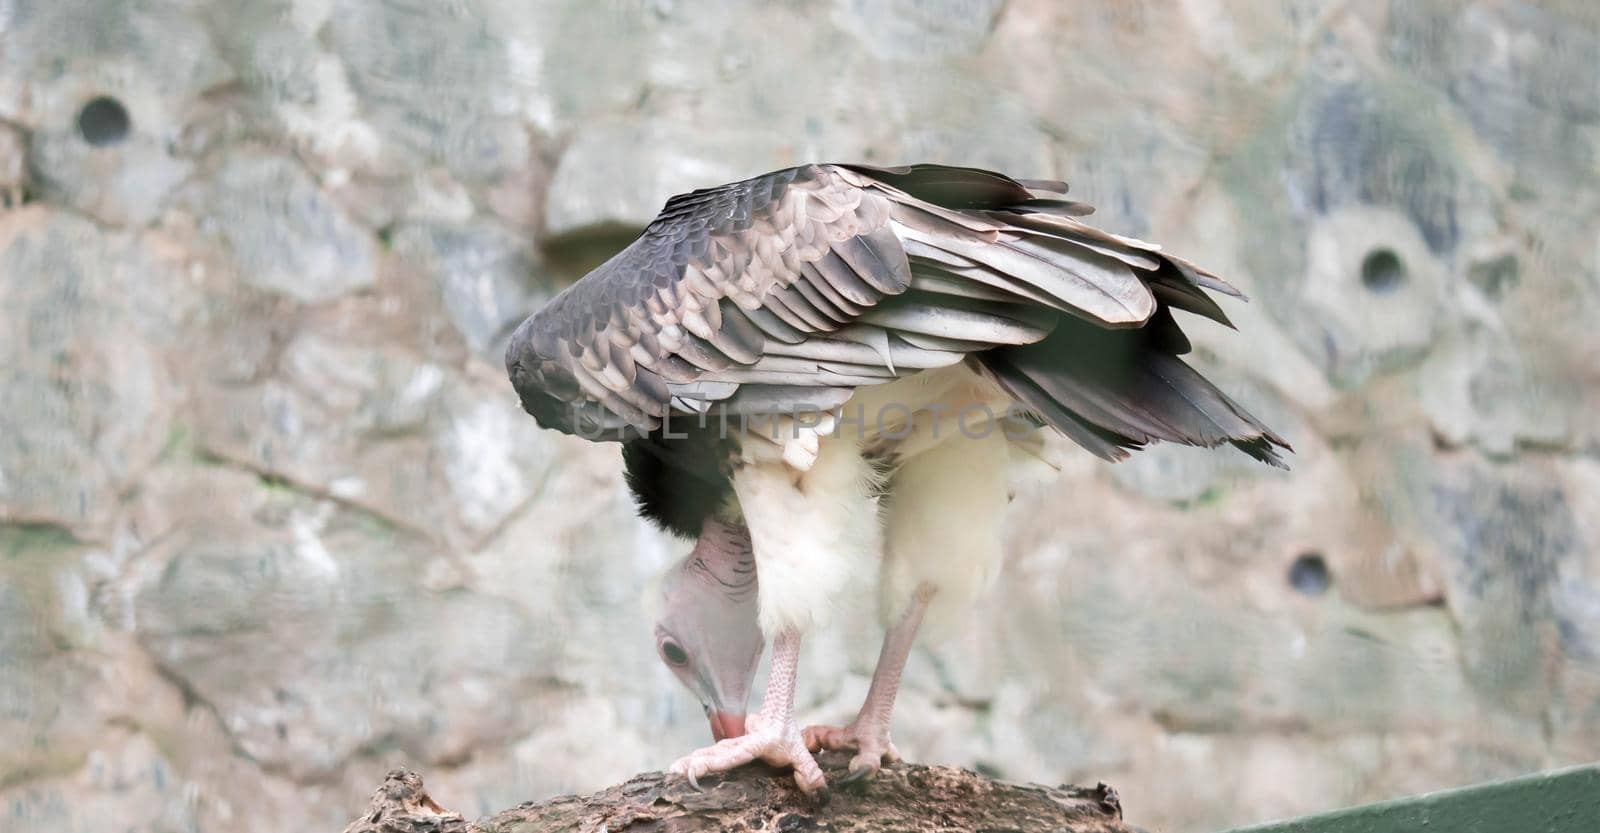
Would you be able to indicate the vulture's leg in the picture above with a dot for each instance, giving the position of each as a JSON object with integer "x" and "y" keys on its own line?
{"x": 813, "y": 531}
{"x": 868, "y": 734}
{"x": 942, "y": 523}
{"x": 771, "y": 733}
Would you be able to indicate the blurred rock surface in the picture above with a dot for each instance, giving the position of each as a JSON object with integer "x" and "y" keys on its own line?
{"x": 272, "y": 523}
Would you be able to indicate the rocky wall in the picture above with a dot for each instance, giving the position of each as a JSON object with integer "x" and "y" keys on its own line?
{"x": 271, "y": 521}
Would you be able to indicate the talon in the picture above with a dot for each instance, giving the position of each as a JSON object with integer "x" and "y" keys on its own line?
{"x": 869, "y": 740}
{"x": 857, "y": 774}
{"x": 779, "y": 747}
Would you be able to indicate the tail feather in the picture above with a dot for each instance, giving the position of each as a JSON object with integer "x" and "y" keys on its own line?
{"x": 1187, "y": 297}
{"x": 1099, "y": 442}
{"x": 1112, "y": 390}
{"x": 1108, "y": 374}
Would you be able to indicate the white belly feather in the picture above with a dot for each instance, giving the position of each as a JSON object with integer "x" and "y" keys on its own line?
{"x": 816, "y": 526}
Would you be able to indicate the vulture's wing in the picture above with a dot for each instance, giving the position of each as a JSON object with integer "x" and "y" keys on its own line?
{"x": 800, "y": 285}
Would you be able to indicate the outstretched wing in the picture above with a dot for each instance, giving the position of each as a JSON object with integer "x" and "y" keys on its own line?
{"x": 800, "y": 285}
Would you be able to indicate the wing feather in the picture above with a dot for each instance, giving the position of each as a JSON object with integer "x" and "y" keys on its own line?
{"x": 773, "y": 326}
{"x": 821, "y": 302}
{"x": 808, "y": 282}
{"x": 833, "y": 271}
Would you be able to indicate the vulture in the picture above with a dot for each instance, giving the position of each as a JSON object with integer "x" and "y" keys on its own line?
{"x": 819, "y": 375}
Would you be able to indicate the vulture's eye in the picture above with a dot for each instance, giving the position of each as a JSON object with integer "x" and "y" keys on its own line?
{"x": 673, "y": 653}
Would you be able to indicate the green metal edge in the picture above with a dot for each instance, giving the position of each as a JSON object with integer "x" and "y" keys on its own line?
{"x": 1560, "y": 801}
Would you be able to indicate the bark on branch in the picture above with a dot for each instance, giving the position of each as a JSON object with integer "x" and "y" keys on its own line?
{"x": 902, "y": 797}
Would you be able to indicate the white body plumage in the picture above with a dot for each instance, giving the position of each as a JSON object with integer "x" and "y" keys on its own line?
{"x": 820, "y": 519}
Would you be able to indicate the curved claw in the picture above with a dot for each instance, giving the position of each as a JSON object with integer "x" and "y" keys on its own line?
{"x": 870, "y": 741}
{"x": 777, "y": 746}
{"x": 856, "y": 774}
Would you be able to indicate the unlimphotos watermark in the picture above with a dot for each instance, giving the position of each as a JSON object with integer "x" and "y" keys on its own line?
{"x": 890, "y": 421}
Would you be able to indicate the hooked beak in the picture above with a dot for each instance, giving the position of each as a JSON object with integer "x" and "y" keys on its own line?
{"x": 725, "y": 725}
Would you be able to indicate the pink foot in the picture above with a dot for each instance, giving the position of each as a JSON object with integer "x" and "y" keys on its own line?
{"x": 777, "y": 744}
{"x": 870, "y": 739}
{"x": 868, "y": 734}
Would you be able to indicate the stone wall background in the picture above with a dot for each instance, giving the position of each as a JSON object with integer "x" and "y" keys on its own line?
{"x": 271, "y": 521}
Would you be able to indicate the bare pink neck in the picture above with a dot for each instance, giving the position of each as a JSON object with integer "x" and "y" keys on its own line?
{"x": 722, "y": 557}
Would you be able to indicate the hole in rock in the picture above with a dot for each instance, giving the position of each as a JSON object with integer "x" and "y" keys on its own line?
{"x": 103, "y": 121}
{"x": 1382, "y": 271}
{"x": 1309, "y": 574}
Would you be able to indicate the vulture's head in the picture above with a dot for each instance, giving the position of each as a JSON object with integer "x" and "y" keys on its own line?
{"x": 707, "y": 633}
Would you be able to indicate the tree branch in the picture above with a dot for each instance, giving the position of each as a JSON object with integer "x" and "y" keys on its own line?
{"x": 901, "y": 797}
